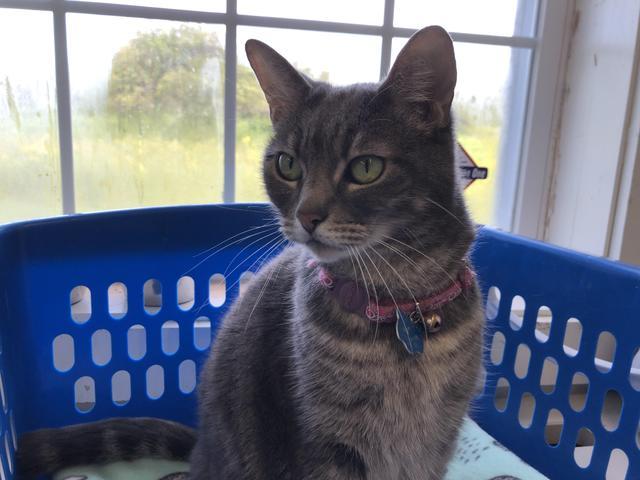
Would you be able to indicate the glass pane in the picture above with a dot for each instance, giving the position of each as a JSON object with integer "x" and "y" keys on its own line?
{"x": 196, "y": 5}
{"x": 489, "y": 17}
{"x": 487, "y": 93}
{"x": 315, "y": 54}
{"x": 29, "y": 155}
{"x": 147, "y": 108}
{"x": 369, "y": 12}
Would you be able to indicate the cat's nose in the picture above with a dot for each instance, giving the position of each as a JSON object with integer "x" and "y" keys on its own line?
{"x": 310, "y": 220}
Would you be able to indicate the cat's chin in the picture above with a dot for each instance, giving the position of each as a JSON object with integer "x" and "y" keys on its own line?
{"x": 325, "y": 253}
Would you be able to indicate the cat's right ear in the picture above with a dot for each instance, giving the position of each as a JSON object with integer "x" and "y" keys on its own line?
{"x": 283, "y": 87}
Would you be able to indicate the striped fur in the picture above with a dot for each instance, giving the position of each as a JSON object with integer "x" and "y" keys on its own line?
{"x": 44, "y": 452}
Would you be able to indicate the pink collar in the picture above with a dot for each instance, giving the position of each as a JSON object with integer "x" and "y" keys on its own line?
{"x": 354, "y": 299}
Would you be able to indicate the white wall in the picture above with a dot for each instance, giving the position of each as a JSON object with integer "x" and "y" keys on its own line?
{"x": 629, "y": 242}
{"x": 591, "y": 150}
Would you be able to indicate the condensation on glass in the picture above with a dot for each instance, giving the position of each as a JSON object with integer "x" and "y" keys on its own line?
{"x": 147, "y": 109}
{"x": 30, "y": 184}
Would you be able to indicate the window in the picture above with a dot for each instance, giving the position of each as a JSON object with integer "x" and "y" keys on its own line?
{"x": 131, "y": 103}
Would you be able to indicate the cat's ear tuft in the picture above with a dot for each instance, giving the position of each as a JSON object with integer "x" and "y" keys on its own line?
{"x": 283, "y": 87}
{"x": 424, "y": 75}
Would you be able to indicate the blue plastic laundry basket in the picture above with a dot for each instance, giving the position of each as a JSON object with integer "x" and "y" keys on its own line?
{"x": 111, "y": 314}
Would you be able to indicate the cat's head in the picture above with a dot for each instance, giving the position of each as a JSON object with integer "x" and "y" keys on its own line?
{"x": 351, "y": 166}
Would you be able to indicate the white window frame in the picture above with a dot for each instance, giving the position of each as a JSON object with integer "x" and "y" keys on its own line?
{"x": 523, "y": 188}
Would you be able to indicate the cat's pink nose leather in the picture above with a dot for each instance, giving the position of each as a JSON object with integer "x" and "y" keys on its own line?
{"x": 310, "y": 220}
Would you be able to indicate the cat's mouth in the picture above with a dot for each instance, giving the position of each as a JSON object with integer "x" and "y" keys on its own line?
{"x": 325, "y": 253}
{"x": 328, "y": 243}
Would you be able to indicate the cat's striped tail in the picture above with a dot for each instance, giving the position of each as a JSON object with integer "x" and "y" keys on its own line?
{"x": 44, "y": 452}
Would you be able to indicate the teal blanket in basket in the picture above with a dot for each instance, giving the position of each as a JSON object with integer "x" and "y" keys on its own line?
{"x": 478, "y": 457}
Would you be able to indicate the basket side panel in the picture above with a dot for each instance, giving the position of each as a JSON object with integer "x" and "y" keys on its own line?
{"x": 588, "y": 411}
{"x": 115, "y": 312}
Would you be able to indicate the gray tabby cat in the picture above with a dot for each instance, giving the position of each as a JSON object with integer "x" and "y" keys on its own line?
{"x": 298, "y": 384}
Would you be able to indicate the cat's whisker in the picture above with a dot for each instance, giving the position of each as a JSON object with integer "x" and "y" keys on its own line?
{"x": 400, "y": 277}
{"x": 266, "y": 255}
{"x": 270, "y": 246}
{"x": 263, "y": 255}
{"x": 353, "y": 265}
{"x": 411, "y": 233}
{"x": 402, "y": 254}
{"x": 433, "y": 202}
{"x": 260, "y": 239}
{"x": 261, "y": 294}
{"x": 407, "y": 258}
{"x": 235, "y": 242}
{"x": 432, "y": 260}
{"x": 375, "y": 291}
{"x": 373, "y": 285}
{"x": 364, "y": 280}
{"x": 228, "y": 239}
{"x": 381, "y": 278}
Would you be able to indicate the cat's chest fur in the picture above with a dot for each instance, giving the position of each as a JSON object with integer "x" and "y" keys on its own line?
{"x": 359, "y": 386}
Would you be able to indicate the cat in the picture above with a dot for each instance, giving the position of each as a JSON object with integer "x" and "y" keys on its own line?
{"x": 302, "y": 382}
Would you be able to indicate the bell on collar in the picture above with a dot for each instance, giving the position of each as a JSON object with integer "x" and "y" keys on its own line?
{"x": 433, "y": 322}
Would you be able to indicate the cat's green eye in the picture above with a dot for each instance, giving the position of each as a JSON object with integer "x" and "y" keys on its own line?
{"x": 288, "y": 167}
{"x": 366, "y": 169}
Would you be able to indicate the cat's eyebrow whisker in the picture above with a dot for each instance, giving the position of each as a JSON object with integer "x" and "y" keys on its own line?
{"x": 235, "y": 242}
{"x": 433, "y": 202}
{"x": 432, "y": 260}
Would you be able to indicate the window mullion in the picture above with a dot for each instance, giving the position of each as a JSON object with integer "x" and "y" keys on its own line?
{"x": 64, "y": 109}
{"x": 547, "y": 73}
{"x": 228, "y": 193}
{"x": 387, "y": 38}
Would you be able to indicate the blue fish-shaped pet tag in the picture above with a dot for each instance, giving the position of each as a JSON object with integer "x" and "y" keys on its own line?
{"x": 410, "y": 333}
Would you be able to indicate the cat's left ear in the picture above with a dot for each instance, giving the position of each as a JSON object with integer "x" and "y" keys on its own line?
{"x": 424, "y": 76}
{"x": 283, "y": 87}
